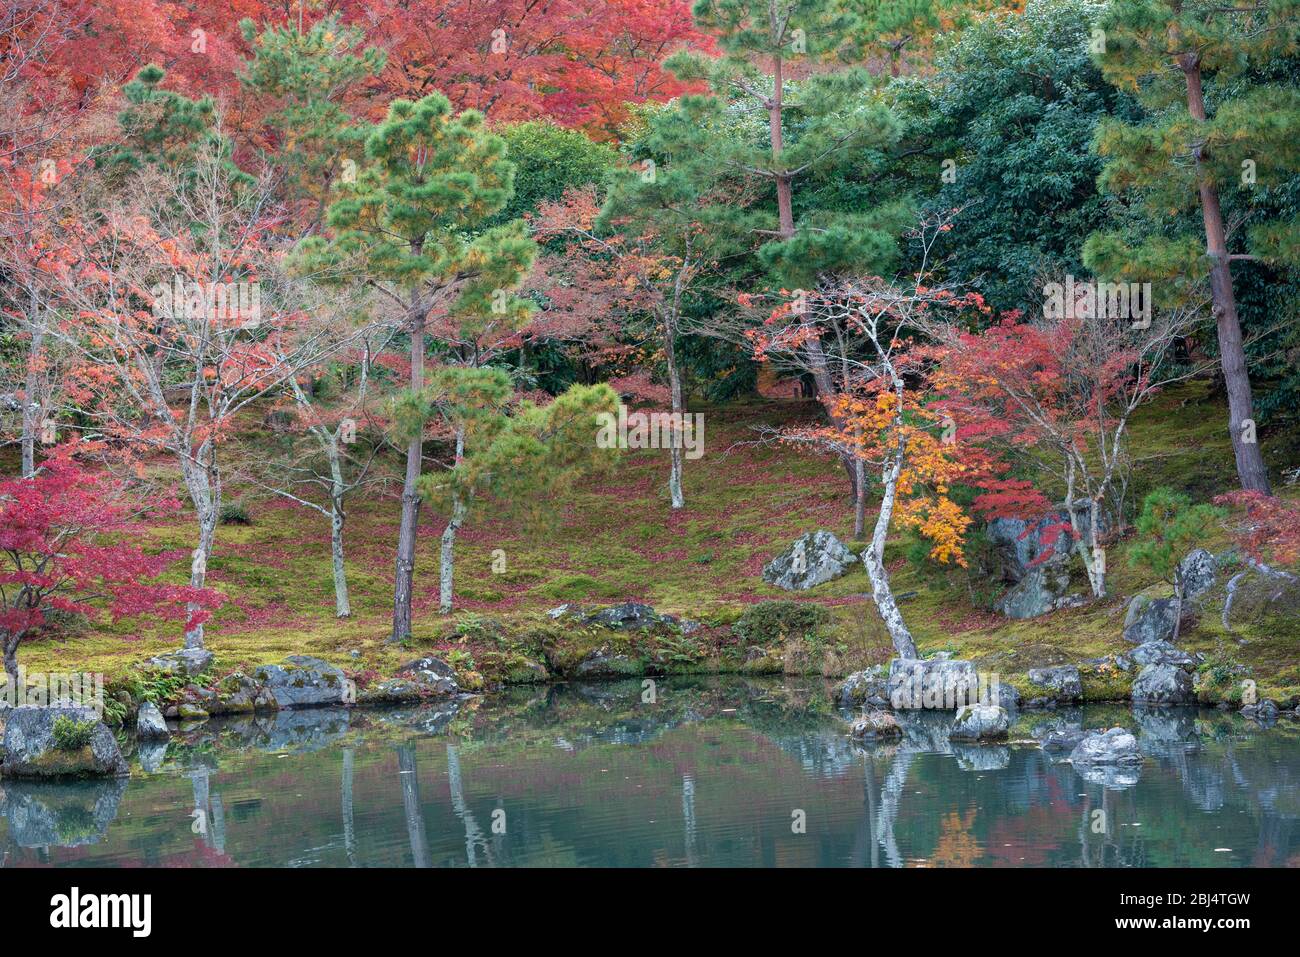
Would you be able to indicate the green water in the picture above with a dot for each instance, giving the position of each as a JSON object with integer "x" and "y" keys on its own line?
{"x": 711, "y": 773}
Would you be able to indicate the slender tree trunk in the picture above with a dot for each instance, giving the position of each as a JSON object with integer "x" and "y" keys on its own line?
{"x": 821, "y": 374}
{"x": 859, "y": 500}
{"x": 204, "y": 484}
{"x": 675, "y": 385}
{"x": 873, "y": 558}
{"x": 447, "y": 559}
{"x": 11, "y": 664}
{"x": 784, "y": 196}
{"x": 404, "y": 577}
{"x": 31, "y": 407}
{"x": 342, "y": 607}
{"x": 1251, "y": 471}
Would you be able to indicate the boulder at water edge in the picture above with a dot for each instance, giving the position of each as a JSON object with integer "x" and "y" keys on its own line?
{"x": 31, "y": 750}
{"x": 1149, "y": 620}
{"x": 814, "y": 558}
{"x": 1163, "y": 684}
{"x": 149, "y": 724}
{"x": 932, "y": 683}
{"x": 304, "y": 682}
{"x": 1115, "y": 746}
{"x": 980, "y": 722}
{"x": 1061, "y": 684}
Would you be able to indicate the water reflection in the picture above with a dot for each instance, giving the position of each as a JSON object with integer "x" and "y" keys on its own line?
{"x": 708, "y": 775}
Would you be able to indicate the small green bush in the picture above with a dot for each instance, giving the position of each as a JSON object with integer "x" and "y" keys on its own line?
{"x": 235, "y": 512}
{"x": 71, "y": 734}
{"x": 771, "y": 621}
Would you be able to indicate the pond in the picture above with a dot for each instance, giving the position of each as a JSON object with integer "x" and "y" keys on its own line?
{"x": 717, "y": 772}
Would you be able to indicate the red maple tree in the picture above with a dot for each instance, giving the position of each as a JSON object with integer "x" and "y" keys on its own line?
{"x": 63, "y": 547}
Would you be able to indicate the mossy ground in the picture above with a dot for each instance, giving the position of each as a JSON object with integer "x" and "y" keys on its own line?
{"x": 614, "y": 538}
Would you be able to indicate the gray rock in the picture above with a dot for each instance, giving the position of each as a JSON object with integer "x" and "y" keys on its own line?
{"x": 433, "y": 675}
{"x": 185, "y": 661}
{"x": 1004, "y": 696}
{"x": 629, "y": 616}
{"x": 30, "y": 751}
{"x": 149, "y": 724}
{"x": 980, "y": 722}
{"x": 1265, "y": 712}
{"x": 188, "y": 711}
{"x": 876, "y": 724}
{"x": 1149, "y": 620}
{"x": 1062, "y": 682}
{"x": 393, "y": 691}
{"x": 813, "y": 559}
{"x": 1062, "y": 741}
{"x": 304, "y": 682}
{"x": 1163, "y": 653}
{"x": 1197, "y": 572}
{"x": 869, "y": 686}
{"x": 602, "y": 664}
{"x": 1163, "y": 684}
{"x": 1020, "y": 547}
{"x": 237, "y": 693}
{"x": 1043, "y": 589}
{"x": 936, "y": 684}
{"x": 1115, "y": 746}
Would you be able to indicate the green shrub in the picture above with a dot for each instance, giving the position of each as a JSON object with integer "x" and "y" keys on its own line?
{"x": 772, "y": 621}
{"x": 235, "y": 512}
{"x": 71, "y": 734}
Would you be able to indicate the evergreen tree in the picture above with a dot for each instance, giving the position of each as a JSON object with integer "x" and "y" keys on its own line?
{"x": 1193, "y": 152}
{"x": 522, "y": 454}
{"x": 308, "y": 75}
{"x": 812, "y": 124}
{"x": 410, "y": 227}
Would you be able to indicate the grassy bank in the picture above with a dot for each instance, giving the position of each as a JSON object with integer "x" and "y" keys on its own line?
{"x": 616, "y": 539}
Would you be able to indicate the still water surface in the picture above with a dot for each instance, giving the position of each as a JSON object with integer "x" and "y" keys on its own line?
{"x": 715, "y": 772}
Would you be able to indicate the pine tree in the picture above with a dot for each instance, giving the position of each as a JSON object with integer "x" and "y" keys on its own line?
{"x": 308, "y": 75}
{"x": 1197, "y": 151}
{"x": 409, "y": 227}
{"x": 814, "y": 123}
{"x": 518, "y": 453}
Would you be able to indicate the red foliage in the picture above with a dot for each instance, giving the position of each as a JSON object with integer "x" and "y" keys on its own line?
{"x": 63, "y": 538}
{"x": 1270, "y": 530}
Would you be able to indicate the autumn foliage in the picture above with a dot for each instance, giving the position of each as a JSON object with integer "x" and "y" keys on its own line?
{"x": 64, "y": 546}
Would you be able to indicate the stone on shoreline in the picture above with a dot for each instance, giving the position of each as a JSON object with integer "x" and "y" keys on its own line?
{"x": 31, "y": 750}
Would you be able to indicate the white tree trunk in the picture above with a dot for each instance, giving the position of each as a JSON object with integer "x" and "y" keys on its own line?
{"x": 447, "y": 558}
{"x": 342, "y": 607}
{"x": 338, "y": 489}
{"x": 873, "y": 558}
{"x": 203, "y": 482}
{"x": 675, "y": 385}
